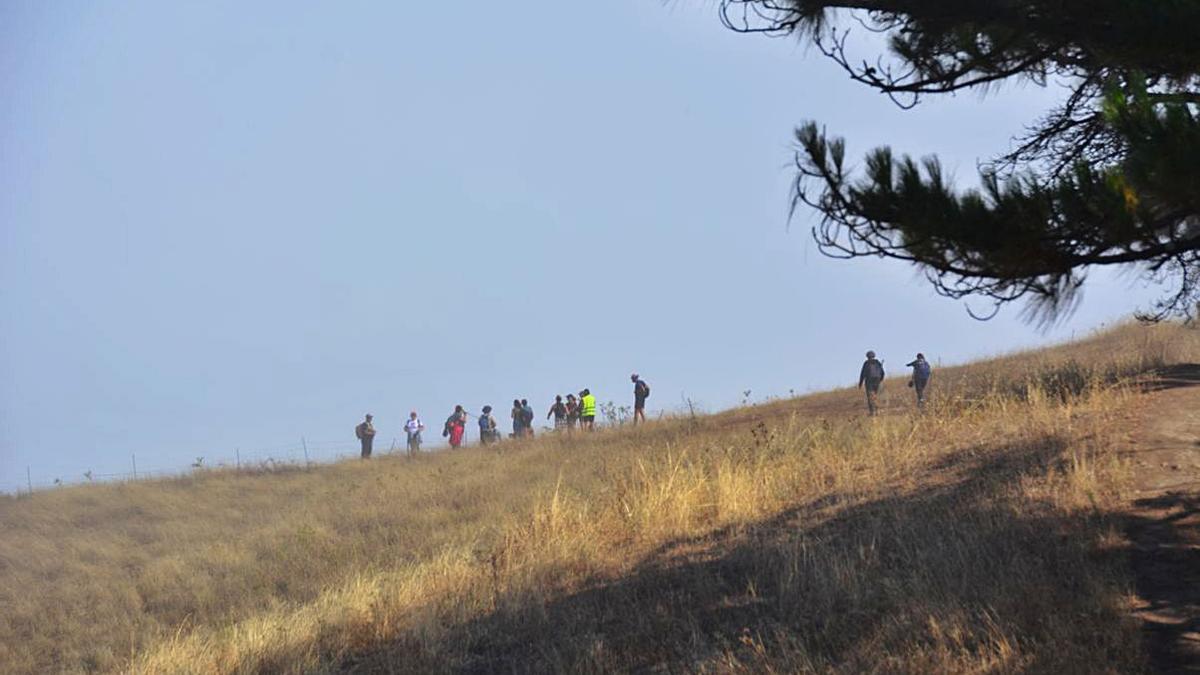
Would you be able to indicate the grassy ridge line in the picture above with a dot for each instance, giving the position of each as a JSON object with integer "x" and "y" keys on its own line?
{"x": 468, "y": 609}
{"x": 578, "y": 542}
{"x": 211, "y": 572}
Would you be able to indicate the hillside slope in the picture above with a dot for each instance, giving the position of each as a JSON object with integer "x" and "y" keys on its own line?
{"x": 795, "y": 535}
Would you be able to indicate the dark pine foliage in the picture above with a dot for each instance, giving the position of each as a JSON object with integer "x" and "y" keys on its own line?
{"x": 1109, "y": 177}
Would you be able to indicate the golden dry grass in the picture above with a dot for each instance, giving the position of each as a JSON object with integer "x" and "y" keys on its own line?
{"x": 794, "y": 536}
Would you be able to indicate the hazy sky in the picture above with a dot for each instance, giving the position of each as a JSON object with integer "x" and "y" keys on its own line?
{"x": 226, "y": 225}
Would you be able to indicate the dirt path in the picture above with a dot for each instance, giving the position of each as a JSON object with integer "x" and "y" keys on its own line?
{"x": 1164, "y": 521}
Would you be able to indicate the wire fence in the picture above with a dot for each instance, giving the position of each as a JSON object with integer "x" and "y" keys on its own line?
{"x": 301, "y": 454}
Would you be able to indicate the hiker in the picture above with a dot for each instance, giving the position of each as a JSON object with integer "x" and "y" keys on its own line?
{"x": 365, "y": 432}
{"x": 587, "y": 414}
{"x": 527, "y": 417}
{"x": 559, "y": 410}
{"x": 413, "y": 428}
{"x": 572, "y": 412}
{"x": 641, "y": 392}
{"x": 456, "y": 426}
{"x": 518, "y": 418}
{"x": 921, "y": 372}
{"x": 487, "y": 427}
{"x": 871, "y": 377}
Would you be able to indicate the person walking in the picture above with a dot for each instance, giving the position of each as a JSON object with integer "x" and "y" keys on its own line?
{"x": 413, "y": 428}
{"x": 871, "y": 378}
{"x": 527, "y": 416}
{"x": 559, "y": 411}
{"x": 587, "y": 414}
{"x": 572, "y": 412}
{"x": 641, "y": 392}
{"x": 487, "y": 427}
{"x": 921, "y": 372}
{"x": 518, "y": 419}
{"x": 365, "y": 432}
{"x": 456, "y": 426}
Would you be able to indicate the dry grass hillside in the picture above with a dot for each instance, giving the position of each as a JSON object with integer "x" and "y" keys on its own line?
{"x": 794, "y": 536}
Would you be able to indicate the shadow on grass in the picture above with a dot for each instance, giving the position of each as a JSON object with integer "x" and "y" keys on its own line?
{"x": 1174, "y": 377}
{"x": 1166, "y": 558}
{"x": 959, "y": 573}
{"x": 1164, "y": 531}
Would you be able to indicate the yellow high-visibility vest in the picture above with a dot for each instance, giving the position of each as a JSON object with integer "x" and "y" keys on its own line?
{"x": 589, "y": 405}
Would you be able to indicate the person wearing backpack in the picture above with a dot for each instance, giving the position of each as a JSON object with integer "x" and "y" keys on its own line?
{"x": 365, "y": 433}
{"x": 456, "y": 426}
{"x": 921, "y": 372}
{"x": 871, "y": 378}
{"x": 641, "y": 392}
{"x": 487, "y": 427}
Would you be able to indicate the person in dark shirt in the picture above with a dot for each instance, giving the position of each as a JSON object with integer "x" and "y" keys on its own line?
{"x": 870, "y": 377}
{"x": 572, "y": 412}
{"x": 518, "y": 418}
{"x": 559, "y": 411}
{"x": 641, "y": 391}
{"x": 527, "y": 417}
{"x": 365, "y": 432}
{"x": 921, "y": 372}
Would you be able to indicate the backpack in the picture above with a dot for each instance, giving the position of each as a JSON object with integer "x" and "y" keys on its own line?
{"x": 921, "y": 370}
{"x": 645, "y": 388}
{"x": 874, "y": 370}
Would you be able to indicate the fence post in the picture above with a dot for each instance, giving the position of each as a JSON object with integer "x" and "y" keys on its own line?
{"x": 28, "y": 480}
{"x": 237, "y": 453}
{"x": 305, "y": 444}
{"x": 134, "y": 458}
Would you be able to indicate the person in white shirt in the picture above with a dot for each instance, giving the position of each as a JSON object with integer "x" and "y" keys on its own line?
{"x": 413, "y": 428}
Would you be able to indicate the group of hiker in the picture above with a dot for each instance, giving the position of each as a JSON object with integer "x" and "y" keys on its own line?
{"x": 571, "y": 412}
{"x": 568, "y": 414}
{"x": 870, "y": 378}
